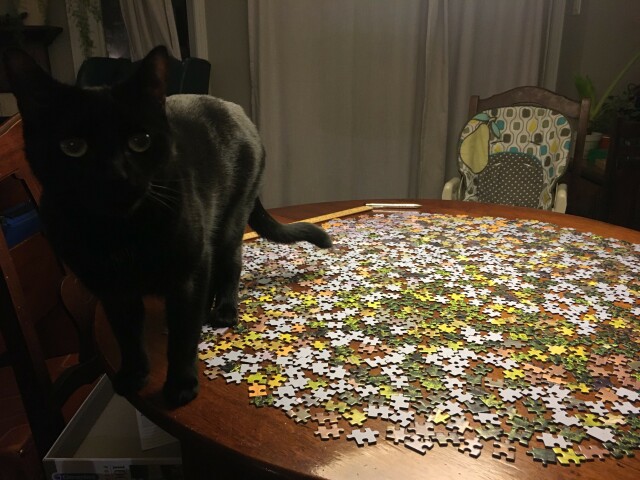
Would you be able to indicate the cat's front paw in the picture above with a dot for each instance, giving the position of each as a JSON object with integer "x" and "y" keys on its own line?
{"x": 127, "y": 381}
{"x": 180, "y": 392}
{"x": 224, "y": 316}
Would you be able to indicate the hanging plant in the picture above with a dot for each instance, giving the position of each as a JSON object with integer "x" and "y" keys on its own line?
{"x": 83, "y": 12}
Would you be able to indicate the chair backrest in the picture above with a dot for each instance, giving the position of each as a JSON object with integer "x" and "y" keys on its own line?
{"x": 518, "y": 144}
{"x": 190, "y": 75}
{"x": 35, "y": 289}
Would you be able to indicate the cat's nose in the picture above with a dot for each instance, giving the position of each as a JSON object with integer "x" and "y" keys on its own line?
{"x": 126, "y": 175}
{"x": 120, "y": 170}
{"x": 115, "y": 171}
{"x": 125, "y": 198}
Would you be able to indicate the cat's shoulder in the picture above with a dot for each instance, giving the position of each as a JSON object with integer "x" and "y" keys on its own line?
{"x": 188, "y": 112}
{"x": 192, "y": 104}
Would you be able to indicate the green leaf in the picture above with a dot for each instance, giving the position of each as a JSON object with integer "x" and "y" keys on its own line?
{"x": 585, "y": 88}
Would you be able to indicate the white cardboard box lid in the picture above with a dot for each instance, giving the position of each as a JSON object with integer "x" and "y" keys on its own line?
{"x": 105, "y": 427}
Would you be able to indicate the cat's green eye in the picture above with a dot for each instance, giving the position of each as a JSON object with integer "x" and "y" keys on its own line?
{"x": 74, "y": 147}
{"x": 139, "y": 142}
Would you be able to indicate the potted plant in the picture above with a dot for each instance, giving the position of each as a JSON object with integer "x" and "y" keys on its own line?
{"x": 604, "y": 110}
{"x": 625, "y": 105}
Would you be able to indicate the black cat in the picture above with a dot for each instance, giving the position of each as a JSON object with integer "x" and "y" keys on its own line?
{"x": 147, "y": 195}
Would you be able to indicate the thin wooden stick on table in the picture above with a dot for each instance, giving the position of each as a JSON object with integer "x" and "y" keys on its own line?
{"x": 320, "y": 219}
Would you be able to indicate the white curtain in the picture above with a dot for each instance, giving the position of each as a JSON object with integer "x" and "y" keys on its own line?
{"x": 150, "y": 23}
{"x": 473, "y": 48}
{"x": 363, "y": 99}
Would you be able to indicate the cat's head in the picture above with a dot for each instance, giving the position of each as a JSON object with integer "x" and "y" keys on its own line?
{"x": 98, "y": 147}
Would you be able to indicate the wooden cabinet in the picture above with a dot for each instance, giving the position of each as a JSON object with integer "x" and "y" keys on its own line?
{"x": 612, "y": 193}
{"x": 623, "y": 175}
{"x": 587, "y": 197}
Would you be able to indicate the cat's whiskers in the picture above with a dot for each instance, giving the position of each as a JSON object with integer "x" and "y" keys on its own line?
{"x": 158, "y": 200}
{"x": 167, "y": 180}
{"x": 164, "y": 187}
{"x": 163, "y": 195}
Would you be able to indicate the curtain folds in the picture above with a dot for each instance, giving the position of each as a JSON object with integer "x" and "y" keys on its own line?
{"x": 488, "y": 47}
{"x": 361, "y": 99}
{"x": 435, "y": 103}
{"x": 150, "y": 23}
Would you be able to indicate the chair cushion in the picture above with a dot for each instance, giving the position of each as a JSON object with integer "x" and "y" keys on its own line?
{"x": 511, "y": 178}
{"x": 541, "y": 135}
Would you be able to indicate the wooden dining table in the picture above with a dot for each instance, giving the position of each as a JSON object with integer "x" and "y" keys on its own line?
{"x": 223, "y": 435}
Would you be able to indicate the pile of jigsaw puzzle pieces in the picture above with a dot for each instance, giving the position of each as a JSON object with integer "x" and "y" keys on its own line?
{"x": 474, "y": 333}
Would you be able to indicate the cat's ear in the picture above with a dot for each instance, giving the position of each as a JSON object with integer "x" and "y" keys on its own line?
{"x": 153, "y": 73}
{"x": 31, "y": 85}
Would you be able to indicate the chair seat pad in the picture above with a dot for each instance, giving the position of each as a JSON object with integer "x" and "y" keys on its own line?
{"x": 511, "y": 178}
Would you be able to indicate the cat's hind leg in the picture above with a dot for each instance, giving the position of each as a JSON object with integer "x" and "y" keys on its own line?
{"x": 225, "y": 276}
{"x": 126, "y": 317}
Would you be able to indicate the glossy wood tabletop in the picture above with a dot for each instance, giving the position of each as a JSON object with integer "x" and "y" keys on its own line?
{"x": 224, "y": 436}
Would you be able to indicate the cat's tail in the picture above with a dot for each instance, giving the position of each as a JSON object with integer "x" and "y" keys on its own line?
{"x": 266, "y": 226}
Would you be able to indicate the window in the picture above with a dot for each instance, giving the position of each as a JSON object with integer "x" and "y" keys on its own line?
{"x": 115, "y": 32}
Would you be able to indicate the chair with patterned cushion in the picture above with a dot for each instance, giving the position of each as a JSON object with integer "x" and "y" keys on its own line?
{"x": 516, "y": 148}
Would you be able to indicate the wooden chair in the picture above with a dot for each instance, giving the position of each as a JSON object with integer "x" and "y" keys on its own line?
{"x": 622, "y": 175}
{"x": 46, "y": 319}
{"x": 190, "y": 75}
{"x": 545, "y": 103}
{"x": 576, "y": 111}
